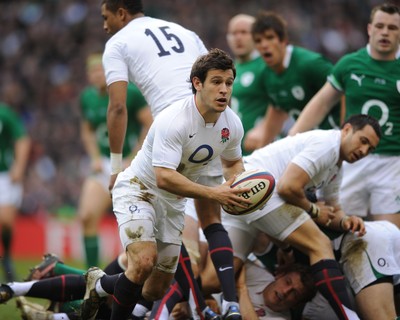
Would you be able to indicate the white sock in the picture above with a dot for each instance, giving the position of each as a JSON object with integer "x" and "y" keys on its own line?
{"x": 99, "y": 289}
{"x": 140, "y": 310}
{"x": 227, "y": 304}
{"x": 60, "y": 316}
{"x": 21, "y": 288}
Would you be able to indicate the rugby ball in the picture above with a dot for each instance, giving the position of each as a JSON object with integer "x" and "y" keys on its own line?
{"x": 261, "y": 184}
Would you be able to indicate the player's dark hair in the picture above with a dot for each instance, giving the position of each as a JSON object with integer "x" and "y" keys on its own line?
{"x": 359, "y": 121}
{"x": 389, "y": 8}
{"x": 306, "y": 279}
{"x": 269, "y": 20}
{"x": 215, "y": 59}
{"x": 132, "y": 6}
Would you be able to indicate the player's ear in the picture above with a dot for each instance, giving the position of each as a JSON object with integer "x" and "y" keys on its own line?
{"x": 196, "y": 83}
{"x": 347, "y": 128}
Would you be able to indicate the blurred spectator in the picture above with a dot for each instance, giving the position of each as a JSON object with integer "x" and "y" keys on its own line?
{"x": 42, "y": 58}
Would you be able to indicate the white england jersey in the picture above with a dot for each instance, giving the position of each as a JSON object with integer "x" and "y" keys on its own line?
{"x": 157, "y": 56}
{"x": 316, "y": 152}
{"x": 179, "y": 139}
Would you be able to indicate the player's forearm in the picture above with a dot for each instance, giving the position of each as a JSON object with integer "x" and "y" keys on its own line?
{"x": 172, "y": 181}
{"x": 232, "y": 168}
{"x": 316, "y": 109}
{"x": 117, "y": 119}
{"x": 311, "y": 116}
{"x": 273, "y": 124}
{"x": 246, "y": 307}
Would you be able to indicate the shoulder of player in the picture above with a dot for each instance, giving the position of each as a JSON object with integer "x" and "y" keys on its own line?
{"x": 231, "y": 115}
{"x": 349, "y": 58}
{"x": 326, "y": 138}
{"x": 305, "y": 57}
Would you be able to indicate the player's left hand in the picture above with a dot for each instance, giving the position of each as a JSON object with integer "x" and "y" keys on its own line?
{"x": 353, "y": 224}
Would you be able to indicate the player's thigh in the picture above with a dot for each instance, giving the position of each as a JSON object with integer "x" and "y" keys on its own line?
{"x": 8, "y": 214}
{"x": 383, "y": 306}
{"x": 94, "y": 201}
{"x": 293, "y": 225}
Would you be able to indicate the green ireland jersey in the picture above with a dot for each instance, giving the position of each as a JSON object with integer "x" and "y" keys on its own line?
{"x": 372, "y": 87}
{"x": 94, "y": 110}
{"x": 249, "y": 96}
{"x": 11, "y": 129}
{"x": 306, "y": 72}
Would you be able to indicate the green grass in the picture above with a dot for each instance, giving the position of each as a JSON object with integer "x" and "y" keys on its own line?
{"x": 9, "y": 310}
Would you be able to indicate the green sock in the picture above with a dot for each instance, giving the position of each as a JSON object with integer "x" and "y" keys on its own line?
{"x": 61, "y": 268}
{"x": 92, "y": 250}
{"x": 71, "y": 306}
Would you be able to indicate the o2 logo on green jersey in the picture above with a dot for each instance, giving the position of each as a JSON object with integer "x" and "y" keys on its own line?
{"x": 383, "y": 120}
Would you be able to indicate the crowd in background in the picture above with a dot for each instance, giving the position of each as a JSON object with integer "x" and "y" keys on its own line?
{"x": 43, "y": 49}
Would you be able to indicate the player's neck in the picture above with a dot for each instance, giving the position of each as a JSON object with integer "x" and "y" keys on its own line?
{"x": 135, "y": 16}
{"x": 209, "y": 115}
{"x": 390, "y": 56}
{"x": 247, "y": 57}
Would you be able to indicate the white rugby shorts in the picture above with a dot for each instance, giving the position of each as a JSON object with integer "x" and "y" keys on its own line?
{"x": 371, "y": 186}
{"x": 11, "y": 193}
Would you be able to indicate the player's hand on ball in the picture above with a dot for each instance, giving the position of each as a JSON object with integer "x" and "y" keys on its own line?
{"x": 230, "y": 197}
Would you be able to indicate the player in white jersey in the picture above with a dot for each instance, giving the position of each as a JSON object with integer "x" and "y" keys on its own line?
{"x": 306, "y": 162}
{"x": 157, "y": 56}
{"x": 149, "y": 196}
{"x": 146, "y": 52}
{"x": 371, "y": 265}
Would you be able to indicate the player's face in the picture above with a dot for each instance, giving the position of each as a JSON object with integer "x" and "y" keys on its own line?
{"x": 112, "y": 23}
{"x": 214, "y": 94}
{"x": 285, "y": 292}
{"x": 358, "y": 144}
{"x": 96, "y": 76}
{"x": 271, "y": 48}
{"x": 239, "y": 38}
{"x": 384, "y": 35}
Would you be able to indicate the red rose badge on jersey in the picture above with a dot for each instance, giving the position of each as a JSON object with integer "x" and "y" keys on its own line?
{"x": 225, "y": 135}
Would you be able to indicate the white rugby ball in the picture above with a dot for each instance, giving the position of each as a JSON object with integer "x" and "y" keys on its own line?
{"x": 261, "y": 184}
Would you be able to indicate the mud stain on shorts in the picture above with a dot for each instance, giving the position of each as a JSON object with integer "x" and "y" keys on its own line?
{"x": 135, "y": 235}
{"x": 143, "y": 196}
{"x": 168, "y": 264}
{"x": 354, "y": 253}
